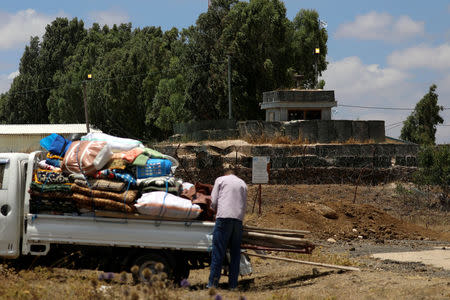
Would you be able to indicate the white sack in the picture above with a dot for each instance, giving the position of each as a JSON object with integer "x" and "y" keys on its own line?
{"x": 162, "y": 204}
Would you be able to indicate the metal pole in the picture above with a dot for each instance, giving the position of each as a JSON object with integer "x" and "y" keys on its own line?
{"x": 229, "y": 87}
{"x": 85, "y": 106}
{"x": 305, "y": 262}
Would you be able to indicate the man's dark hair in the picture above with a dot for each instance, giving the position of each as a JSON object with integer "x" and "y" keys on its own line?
{"x": 228, "y": 171}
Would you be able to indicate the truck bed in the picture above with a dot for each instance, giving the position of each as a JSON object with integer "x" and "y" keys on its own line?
{"x": 43, "y": 229}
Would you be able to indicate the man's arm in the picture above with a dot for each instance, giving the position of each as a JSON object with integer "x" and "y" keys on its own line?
{"x": 215, "y": 195}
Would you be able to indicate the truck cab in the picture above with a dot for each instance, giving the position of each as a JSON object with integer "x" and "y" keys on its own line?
{"x": 13, "y": 168}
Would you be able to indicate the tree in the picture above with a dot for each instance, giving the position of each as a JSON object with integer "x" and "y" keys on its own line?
{"x": 420, "y": 126}
{"x": 308, "y": 36}
{"x": 434, "y": 169}
{"x": 265, "y": 47}
{"x": 30, "y": 90}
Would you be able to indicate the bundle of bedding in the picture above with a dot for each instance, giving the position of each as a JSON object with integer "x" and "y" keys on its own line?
{"x": 165, "y": 205}
{"x": 103, "y": 194}
{"x": 90, "y": 203}
{"x": 199, "y": 194}
{"x": 168, "y": 184}
{"x": 103, "y": 172}
{"x": 51, "y": 192}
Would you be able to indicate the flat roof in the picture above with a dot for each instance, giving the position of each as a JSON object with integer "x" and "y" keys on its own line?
{"x": 10, "y": 129}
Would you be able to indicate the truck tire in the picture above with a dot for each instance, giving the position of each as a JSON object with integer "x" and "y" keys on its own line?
{"x": 181, "y": 271}
{"x": 149, "y": 261}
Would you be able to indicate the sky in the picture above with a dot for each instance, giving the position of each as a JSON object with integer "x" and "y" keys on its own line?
{"x": 383, "y": 53}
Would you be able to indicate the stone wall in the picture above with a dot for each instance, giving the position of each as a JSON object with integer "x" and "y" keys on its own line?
{"x": 295, "y": 164}
{"x": 316, "y": 131}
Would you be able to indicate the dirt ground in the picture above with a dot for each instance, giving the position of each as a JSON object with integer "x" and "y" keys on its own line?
{"x": 363, "y": 221}
{"x": 347, "y": 223}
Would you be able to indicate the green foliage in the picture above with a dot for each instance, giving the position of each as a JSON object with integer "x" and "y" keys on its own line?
{"x": 308, "y": 36}
{"x": 265, "y": 47}
{"x": 434, "y": 167}
{"x": 146, "y": 80}
{"x": 420, "y": 126}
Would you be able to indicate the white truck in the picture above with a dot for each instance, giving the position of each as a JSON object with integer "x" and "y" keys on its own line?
{"x": 119, "y": 242}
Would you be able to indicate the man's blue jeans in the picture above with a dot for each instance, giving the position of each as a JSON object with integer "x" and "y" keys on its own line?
{"x": 227, "y": 233}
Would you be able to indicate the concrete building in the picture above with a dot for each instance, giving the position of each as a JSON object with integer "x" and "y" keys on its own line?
{"x": 26, "y": 137}
{"x": 298, "y": 104}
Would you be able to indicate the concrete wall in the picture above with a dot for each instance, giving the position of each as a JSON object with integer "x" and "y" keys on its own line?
{"x": 316, "y": 131}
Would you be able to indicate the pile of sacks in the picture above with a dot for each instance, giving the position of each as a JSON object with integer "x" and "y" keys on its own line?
{"x": 108, "y": 173}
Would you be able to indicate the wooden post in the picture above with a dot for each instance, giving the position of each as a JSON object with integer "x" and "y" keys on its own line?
{"x": 259, "y": 199}
{"x": 306, "y": 262}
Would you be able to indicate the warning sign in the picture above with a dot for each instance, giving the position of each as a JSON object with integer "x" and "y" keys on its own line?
{"x": 260, "y": 169}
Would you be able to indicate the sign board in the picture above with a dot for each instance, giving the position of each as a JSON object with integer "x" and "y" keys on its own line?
{"x": 260, "y": 169}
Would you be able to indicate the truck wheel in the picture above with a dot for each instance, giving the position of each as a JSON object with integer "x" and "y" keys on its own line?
{"x": 181, "y": 271}
{"x": 149, "y": 261}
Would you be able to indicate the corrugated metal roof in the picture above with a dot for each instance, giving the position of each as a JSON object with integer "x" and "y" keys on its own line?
{"x": 44, "y": 129}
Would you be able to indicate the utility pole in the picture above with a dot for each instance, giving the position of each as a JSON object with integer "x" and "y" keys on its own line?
{"x": 317, "y": 53}
{"x": 85, "y": 102}
{"x": 229, "y": 88}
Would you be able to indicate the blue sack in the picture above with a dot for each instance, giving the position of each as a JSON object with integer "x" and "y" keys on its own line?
{"x": 55, "y": 144}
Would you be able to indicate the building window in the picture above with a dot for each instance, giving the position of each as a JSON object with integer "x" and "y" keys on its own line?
{"x": 313, "y": 115}
{"x": 304, "y": 114}
{"x": 296, "y": 115}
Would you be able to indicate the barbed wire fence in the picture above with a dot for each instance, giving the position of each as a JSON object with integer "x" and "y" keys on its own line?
{"x": 327, "y": 164}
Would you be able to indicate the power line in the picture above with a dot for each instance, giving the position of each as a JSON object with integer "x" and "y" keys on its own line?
{"x": 382, "y": 107}
{"x": 394, "y": 124}
{"x": 76, "y": 83}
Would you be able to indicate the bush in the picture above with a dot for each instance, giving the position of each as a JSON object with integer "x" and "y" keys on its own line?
{"x": 434, "y": 169}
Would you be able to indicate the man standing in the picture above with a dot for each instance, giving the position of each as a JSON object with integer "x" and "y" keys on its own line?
{"x": 229, "y": 199}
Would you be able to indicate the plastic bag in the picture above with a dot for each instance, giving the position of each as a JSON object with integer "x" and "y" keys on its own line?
{"x": 116, "y": 143}
{"x": 86, "y": 157}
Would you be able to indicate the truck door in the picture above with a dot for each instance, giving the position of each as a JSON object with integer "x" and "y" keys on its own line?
{"x": 12, "y": 190}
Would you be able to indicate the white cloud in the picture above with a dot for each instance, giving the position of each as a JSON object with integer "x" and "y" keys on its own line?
{"x": 16, "y": 29}
{"x": 355, "y": 83}
{"x": 423, "y": 56}
{"x": 350, "y": 78}
{"x": 381, "y": 26}
{"x": 109, "y": 17}
{"x": 5, "y": 81}
{"x": 13, "y": 75}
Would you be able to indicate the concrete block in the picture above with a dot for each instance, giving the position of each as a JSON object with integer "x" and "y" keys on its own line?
{"x": 360, "y": 130}
{"x": 307, "y": 131}
{"x": 376, "y": 131}
{"x": 343, "y": 130}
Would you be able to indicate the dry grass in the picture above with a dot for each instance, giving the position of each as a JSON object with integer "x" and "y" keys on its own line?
{"x": 279, "y": 139}
{"x": 56, "y": 283}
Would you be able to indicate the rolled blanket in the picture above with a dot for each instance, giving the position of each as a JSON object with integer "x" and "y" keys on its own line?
{"x": 172, "y": 190}
{"x": 50, "y": 195}
{"x": 50, "y": 176}
{"x": 54, "y": 205}
{"x": 127, "y": 196}
{"x": 114, "y": 174}
{"x": 50, "y": 187}
{"x": 162, "y": 183}
{"x": 102, "y": 184}
{"x": 45, "y": 166}
{"x": 84, "y": 201}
